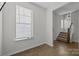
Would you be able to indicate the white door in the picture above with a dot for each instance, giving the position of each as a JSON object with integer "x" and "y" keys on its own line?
{"x": 0, "y": 33}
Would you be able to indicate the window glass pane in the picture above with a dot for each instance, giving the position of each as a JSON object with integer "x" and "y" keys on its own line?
{"x": 27, "y": 12}
{"x": 61, "y": 23}
{"x": 19, "y": 30}
{"x": 28, "y": 28}
{"x": 23, "y": 30}
{"x": 24, "y": 19}
{"x": 28, "y": 19}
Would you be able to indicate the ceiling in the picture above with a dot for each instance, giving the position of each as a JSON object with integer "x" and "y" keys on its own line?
{"x": 51, "y": 5}
{"x": 71, "y": 7}
{"x": 60, "y": 7}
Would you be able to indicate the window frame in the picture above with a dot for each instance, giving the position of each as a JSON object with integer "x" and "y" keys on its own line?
{"x": 17, "y": 39}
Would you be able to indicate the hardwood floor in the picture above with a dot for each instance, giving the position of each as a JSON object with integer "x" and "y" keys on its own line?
{"x": 59, "y": 49}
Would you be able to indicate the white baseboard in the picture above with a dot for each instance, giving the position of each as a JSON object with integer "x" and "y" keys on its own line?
{"x": 23, "y": 49}
{"x": 50, "y": 44}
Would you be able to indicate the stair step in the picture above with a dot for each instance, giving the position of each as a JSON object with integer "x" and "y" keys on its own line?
{"x": 62, "y": 36}
{"x": 64, "y": 32}
{"x": 61, "y": 40}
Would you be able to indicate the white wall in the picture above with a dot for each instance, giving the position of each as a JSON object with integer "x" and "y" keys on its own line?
{"x": 0, "y": 32}
{"x": 78, "y": 27}
{"x": 56, "y": 25}
{"x": 75, "y": 20}
{"x": 49, "y": 27}
{"x": 10, "y": 46}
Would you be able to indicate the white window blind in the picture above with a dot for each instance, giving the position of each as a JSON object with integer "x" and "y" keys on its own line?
{"x": 23, "y": 22}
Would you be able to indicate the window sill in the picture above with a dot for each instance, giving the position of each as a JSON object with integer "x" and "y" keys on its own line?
{"x": 21, "y": 39}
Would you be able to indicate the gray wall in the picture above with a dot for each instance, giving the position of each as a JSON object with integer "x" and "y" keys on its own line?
{"x": 78, "y": 27}
{"x": 49, "y": 26}
{"x": 75, "y": 20}
{"x": 0, "y": 32}
{"x": 11, "y": 46}
{"x": 56, "y": 25}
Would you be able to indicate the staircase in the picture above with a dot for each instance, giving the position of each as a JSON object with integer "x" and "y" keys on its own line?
{"x": 63, "y": 36}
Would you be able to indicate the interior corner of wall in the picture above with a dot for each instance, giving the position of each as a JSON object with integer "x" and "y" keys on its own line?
{"x": 50, "y": 44}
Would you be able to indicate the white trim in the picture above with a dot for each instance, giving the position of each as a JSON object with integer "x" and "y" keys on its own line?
{"x": 20, "y": 39}
{"x": 50, "y": 44}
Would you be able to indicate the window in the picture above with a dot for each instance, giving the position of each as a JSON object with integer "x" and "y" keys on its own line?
{"x": 23, "y": 23}
{"x": 62, "y": 24}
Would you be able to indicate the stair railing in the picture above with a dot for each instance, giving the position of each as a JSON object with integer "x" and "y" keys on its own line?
{"x": 69, "y": 31}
